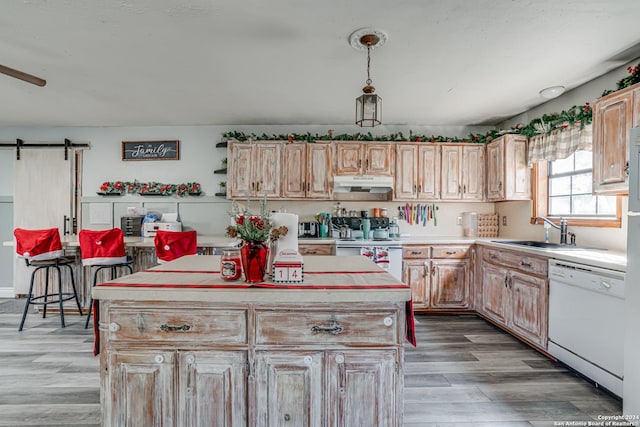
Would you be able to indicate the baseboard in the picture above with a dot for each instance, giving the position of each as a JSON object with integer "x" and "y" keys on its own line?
{"x": 7, "y": 293}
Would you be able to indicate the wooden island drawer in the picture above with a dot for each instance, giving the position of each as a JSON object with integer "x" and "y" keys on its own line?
{"x": 285, "y": 327}
{"x": 197, "y": 325}
{"x": 454, "y": 252}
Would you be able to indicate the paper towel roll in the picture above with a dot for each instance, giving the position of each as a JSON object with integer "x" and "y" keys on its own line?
{"x": 290, "y": 241}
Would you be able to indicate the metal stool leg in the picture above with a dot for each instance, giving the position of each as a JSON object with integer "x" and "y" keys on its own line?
{"x": 28, "y": 303}
{"x": 46, "y": 292}
{"x": 73, "y": 287}
{"x": 61, "y": 299}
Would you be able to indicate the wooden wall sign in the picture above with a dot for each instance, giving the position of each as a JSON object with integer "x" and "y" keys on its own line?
{"x": 151, "y": 150}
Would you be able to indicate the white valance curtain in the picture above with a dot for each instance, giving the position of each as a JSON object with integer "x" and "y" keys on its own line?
{"x": 559, "y": 144}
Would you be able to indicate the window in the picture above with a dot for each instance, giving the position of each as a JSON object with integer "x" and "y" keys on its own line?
{"x": 562, "y": 188}
{"x": 569, "y": 182}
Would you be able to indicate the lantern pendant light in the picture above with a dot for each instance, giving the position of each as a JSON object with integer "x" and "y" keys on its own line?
{"x": 369, "y": 104}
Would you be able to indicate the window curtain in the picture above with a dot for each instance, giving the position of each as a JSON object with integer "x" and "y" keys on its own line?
{"x": 559, "y": 144}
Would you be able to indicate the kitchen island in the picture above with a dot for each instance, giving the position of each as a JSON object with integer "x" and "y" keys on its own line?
{"x": 180, "y": 346}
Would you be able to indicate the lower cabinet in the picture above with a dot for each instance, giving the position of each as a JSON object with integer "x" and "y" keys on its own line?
{"x": 317, "y": 249}
{"x": 211, "y": 388}
{"x": 514, "y": 293}
{"x": 300, "y": 365}
{"x": 290, "y": 388}
{"x": 439, "y": 277}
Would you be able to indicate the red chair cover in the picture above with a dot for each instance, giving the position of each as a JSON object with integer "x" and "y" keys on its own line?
{"x": 102, "y": 247}
{"x": 171, "y": 245}
{"x": 38, "y": 245}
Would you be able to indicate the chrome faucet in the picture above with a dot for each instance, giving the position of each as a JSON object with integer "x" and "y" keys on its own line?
{"x": 562, "y": 227}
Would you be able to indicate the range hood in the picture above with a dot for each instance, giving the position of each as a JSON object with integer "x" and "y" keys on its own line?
{"x": 362, "y": 187}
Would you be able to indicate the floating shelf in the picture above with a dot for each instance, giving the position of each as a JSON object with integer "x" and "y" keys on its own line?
{"x": 221, "y": 194}
{"x": 220, "y": 171}
{"x": 222, "y": 144}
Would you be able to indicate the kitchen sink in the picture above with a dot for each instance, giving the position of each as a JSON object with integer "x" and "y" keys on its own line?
{"x": 546, "y": 245}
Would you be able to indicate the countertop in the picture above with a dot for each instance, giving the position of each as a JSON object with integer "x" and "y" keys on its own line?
{"x": 197, "y": 278}
{"x": 614, "y": 260}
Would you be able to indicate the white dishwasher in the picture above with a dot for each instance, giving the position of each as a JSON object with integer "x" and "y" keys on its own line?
{"x": 586, "y": 321}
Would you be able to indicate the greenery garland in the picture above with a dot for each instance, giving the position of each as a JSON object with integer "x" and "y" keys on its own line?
{"x": 548, "y": 123}
{"x": 631, "y": 79}
{"x": 149, "y": 188}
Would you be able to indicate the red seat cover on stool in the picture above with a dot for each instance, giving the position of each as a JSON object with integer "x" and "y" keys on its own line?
{"x": 102, "y": 247}
{"x": 171, "y": 245}
{"x": 38, "y": 245}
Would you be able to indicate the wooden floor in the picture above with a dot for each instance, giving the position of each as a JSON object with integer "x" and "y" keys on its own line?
{"x": 465, "y": 372}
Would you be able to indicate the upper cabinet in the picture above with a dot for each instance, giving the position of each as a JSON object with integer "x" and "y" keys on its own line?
{"x": 363, "y": 158}
{"x": 417, "y": 172}
{"x": 254, "y": 170}
{"x": 463, "y": 172}
{"x": 508, "y": 176}
{"x": 613, "y": 117}
{"x": 307, "y": 171}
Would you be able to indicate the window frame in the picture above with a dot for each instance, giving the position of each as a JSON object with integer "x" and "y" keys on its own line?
{"x": 540, "y": 203}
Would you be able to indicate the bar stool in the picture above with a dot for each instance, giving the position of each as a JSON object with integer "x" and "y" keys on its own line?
{"x": 172, "y": 245}
{"x": 103, "y": 249}
{"x": 42, "y": 249}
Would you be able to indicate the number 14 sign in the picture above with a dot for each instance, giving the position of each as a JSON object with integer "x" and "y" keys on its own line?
{"x": 287, "y": 272}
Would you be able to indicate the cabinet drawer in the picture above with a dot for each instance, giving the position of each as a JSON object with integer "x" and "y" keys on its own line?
{"x": 518, "y": 260}
{"x": 206, "y": 326}
{"x": 286, "y": 327}
{"x": 323, "y": 249}
{"x": 416, "y": 252}
{"x": 450, "y": 252}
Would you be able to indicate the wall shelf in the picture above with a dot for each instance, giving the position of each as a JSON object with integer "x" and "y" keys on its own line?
{"x": 220, "y": 171}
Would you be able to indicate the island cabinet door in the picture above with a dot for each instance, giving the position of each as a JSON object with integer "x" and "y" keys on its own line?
{"x": 288, "y": 388}
{"x": 141, "y": 389}
{"x": 361, "y": 388}
{"x": 212, "y": 389}
{"x": 494, "y": 293}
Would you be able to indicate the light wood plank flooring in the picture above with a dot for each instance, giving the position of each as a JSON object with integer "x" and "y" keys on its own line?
{"x": 465, "y": 372}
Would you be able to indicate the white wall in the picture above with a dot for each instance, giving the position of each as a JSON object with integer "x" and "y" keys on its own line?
{"x": 199, "y": 158}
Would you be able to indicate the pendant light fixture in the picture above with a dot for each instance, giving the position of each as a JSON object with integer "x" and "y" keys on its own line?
{"x": 369, "y": 104}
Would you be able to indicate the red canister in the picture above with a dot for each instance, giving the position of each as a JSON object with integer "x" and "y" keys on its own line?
{"x": 376, "y": 212}
{"x": 230, "y": 264}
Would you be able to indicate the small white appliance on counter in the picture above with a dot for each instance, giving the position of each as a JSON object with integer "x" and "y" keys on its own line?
{"x": 168, "y": 222}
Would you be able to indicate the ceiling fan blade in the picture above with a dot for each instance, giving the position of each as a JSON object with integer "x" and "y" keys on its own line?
{"x": 22, "y": 76}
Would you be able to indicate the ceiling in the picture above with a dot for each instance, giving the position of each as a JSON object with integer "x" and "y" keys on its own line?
{"x": 256, "y": 62}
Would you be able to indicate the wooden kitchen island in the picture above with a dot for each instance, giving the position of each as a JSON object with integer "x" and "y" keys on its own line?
{"x": 181, "y": 347}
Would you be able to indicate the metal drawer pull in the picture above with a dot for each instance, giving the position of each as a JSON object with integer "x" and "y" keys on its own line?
{"x": 606, "y": 284}
{"x": 525, "y": 264}
{"x": 451, "y": 252}
{"x": 333, "y": 328}
{"x": 168, "y": 328}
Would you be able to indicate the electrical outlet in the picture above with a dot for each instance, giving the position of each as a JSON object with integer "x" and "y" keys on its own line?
{"x": 504, "y": 220}
{"x": 459, "y": 220}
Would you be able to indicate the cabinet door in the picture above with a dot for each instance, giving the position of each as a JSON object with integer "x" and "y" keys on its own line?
{"x": 428, "y": 172}
{"x": 494, "y": 293}
{"x": 212, "y": 388}
{"x": 289, "y": 388}
{"x": 473, "y": 172}
{"x": 495, "y": 170}
{"x": 294, "y": 168}
{"x": 240, "y": 162}
{"x": 517, "y": 175}
{"x": 267, "y": 170}
{"x": 361, "y": 388}
{"x": 451, "y": 173}
{"x": 450, "y": 284}
{"x": 348, "y": 158}
{"x": 378, "y": 159}
{"x": 407, "y": 171}
{"x": 612, "y": 120}
{"x": 141, "y": 389}
{"x": 415, "y": 273}
{"x": 319, "y": 172}
{"x": 528, "y": 306}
